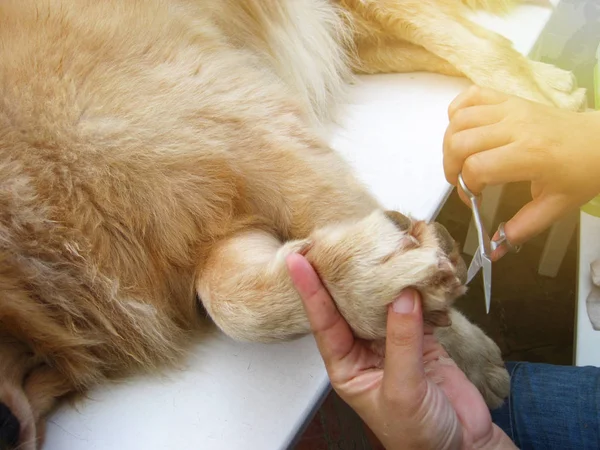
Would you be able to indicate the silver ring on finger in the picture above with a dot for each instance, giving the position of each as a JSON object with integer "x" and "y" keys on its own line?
{"x": 504, "y": 240}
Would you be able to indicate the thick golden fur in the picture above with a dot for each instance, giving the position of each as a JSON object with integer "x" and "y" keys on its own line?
{"x": 154, "y": 152}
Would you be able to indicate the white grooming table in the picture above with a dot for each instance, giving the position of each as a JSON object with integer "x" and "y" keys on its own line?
{"x": 239, "y": 396}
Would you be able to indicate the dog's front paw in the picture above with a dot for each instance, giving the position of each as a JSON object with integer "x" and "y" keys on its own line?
{"x": 485, "y": 369}
{"x": 495, "y": 385}
{"x": 477, "y": 356}
{"x": 366, "y": 264}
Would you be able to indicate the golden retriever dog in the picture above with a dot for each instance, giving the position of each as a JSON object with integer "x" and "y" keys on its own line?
{"x": 160, "y": 158}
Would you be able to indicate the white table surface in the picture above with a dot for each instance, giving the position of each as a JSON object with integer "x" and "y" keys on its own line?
{"x": 240, "y": 396}
{"x": 587, "y": 340}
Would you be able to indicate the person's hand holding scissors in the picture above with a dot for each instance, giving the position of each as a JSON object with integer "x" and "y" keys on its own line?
{"x": 494, "y": 138}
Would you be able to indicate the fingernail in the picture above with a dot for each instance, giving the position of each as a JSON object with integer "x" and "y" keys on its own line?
{"x": 499, "y": 252}
{"x": 405, "y": 303}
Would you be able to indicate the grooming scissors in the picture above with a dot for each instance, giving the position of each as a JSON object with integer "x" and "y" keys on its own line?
{"x": 482, "y": 258}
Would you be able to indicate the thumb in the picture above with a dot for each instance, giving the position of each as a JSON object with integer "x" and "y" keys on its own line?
{"x": 403, "y": 366}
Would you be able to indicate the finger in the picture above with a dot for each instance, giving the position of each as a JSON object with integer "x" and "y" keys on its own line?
{"x": 466, "y": 119}
{"x": 506, "y": 164}
{"x": 466, "y": 143}
{"x": 332, "y": 333}
{"x": 536, "y": 189}
{"x": 531, "y": 220}
{"x": 473, "y": 96}
{"x": 403, "y": 365}
{"x": 476, "y": 116}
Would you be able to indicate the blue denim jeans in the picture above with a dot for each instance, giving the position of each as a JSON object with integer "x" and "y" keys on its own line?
{"x": 552, "y": 407}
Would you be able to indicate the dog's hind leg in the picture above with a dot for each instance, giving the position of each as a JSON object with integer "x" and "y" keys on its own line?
{"x": 399, "y": 57}
{"x": 443, "y": 29}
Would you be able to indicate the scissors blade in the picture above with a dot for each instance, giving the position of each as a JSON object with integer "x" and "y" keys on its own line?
{"x": 478, "y": 262}
{"x": 474, "y": 266}
{"x": 487, "y": 282}
{"x": 481, "y": 258}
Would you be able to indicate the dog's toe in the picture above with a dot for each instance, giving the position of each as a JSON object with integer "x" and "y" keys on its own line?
{"x": 496, "y": 387}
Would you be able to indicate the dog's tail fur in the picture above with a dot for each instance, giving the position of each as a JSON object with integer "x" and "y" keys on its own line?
{"x": 502, "y": 6}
